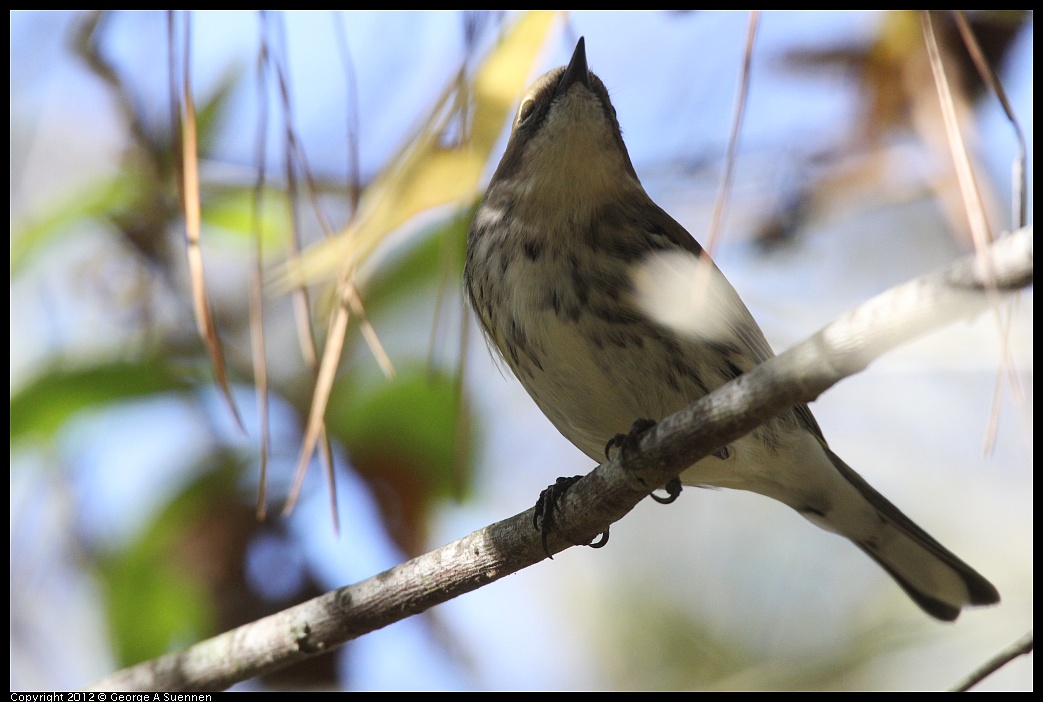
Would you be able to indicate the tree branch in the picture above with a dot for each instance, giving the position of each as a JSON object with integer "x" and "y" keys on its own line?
{"x": 1021, "y": 647}
{"x": 799, "y": 375}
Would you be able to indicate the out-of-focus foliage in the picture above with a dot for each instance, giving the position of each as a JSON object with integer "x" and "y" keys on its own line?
{"x": 183, "y": 576}
{"x": 42, "y": 407}
{"x": 429, "y": 172}
{"x": 405, "y": 438}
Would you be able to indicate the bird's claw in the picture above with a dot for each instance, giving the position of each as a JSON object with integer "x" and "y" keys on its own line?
{"x": 627, "y": 442}
{"x": 547, "y": 505}
{"x": 673, "y": 490}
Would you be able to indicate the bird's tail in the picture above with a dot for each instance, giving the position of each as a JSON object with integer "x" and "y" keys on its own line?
{"x": 929, "y": 573}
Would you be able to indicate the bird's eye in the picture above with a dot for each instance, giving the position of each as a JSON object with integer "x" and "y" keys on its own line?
{"x": 527, "y": 106}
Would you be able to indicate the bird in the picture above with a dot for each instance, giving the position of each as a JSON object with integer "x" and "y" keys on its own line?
{"x": 558, "y": 253}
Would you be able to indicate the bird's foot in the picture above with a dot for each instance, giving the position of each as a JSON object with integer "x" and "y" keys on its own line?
{"x": 673, "y": 490}
{"x": 543, "y": 517}
{"x": 628, "y": 442}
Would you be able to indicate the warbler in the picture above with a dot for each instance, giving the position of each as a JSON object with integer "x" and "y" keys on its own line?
{"x": 559, "y": 253}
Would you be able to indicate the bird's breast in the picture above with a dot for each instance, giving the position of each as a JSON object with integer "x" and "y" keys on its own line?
{"x": 561, "y": 315}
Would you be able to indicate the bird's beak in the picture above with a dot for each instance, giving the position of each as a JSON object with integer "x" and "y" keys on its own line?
{"x": 576, "y": 71}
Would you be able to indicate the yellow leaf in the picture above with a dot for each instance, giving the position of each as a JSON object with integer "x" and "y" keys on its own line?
{"x": 426, "y": 173}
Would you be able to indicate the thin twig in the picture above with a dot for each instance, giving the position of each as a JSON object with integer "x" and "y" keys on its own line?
{"x": 964, "y": 172}
{"x": 989, "y": 77}
{"x": 728, "y": 174}
{"x": 189, "y": 182}
{"x": 260, "y": 364}
{"x": 1021, "y": 647}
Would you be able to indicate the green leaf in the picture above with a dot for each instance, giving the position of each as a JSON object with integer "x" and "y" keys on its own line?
{"x": 157, "y": 592}
{"x": 231, "y": 211}
{"x": 211, "y": 110}
{"x": 409, "y": 440}
{"x": 151, "y": 605}
{"x": 437, "y": 253}
{"x": 93, "y": 201}
{"x": 411, "y": 421}
{"x": 41, "y": 408}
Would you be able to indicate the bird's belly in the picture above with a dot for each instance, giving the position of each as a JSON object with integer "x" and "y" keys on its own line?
{"x": 593, "y": 378}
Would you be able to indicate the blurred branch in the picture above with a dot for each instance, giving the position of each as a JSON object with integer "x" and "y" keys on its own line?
{"x": 972, "y": 199}
{"x": 427, "y": 173}
{"x": 992, "y": 80}
{"x": 608, "y": 493}
{"x": 87, "y": 43}
{"x": 1021, "y": 647}
{"x": 188, "y": 181}
{"x": 724, "y": 188}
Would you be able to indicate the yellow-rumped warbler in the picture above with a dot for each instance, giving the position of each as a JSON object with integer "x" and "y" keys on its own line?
{"x": 558, "y": 255}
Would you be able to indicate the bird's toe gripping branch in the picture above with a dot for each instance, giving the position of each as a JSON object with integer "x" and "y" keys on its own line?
{"x": 543, "y": 518}
{"x": 628, "y": 442}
